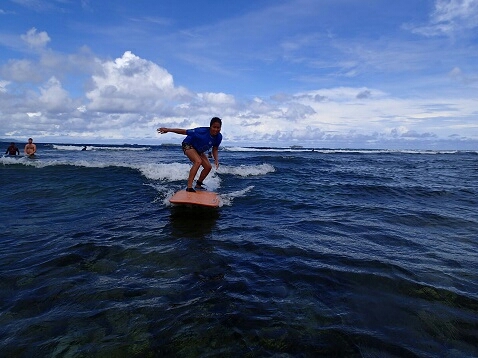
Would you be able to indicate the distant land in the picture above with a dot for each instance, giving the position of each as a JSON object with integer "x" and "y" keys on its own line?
{"x": 9, "y": 140}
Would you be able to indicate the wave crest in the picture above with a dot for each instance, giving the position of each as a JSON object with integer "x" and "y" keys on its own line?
{"x": 247, "y": 170}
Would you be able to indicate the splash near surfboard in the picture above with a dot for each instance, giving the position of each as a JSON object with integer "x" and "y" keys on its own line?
{"x": 200, "y": 198}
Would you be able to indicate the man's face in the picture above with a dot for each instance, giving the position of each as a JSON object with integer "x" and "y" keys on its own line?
{"x": 215, "y": 128}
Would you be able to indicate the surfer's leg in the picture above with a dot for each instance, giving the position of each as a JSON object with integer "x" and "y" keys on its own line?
{"x": 206, "y": 169}
{"x": 194, "y": 157}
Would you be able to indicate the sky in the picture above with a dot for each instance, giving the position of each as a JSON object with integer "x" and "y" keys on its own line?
{"x": 315, "y": 73}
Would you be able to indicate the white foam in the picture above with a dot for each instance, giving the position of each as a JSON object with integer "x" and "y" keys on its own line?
{"x": 165, "y": 192}
{"x": 252, "y": 149}
{"x": 93, "y": 147}
{"x": 162, "y": 171}
{"x": 247, "y": 170}
{"x": 344, "y": 150}
{"x": 19, "y": 159}
{"x": 172, "y": 172}
{"x": 68, "y": 147}
{"x": 228, "y": 198}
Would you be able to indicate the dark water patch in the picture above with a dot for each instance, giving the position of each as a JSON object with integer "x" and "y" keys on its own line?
{"x": 329, "y": 255}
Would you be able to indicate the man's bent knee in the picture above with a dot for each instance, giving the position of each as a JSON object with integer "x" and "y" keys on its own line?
{"x": 206, "y": 165}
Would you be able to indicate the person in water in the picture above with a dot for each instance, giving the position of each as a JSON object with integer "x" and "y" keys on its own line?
{"x": 30, "y": 148}
{"x": 197, "y": 142}
{"x": 12, "y": 149}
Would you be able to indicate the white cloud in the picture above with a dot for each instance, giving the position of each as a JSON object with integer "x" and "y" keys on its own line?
{"x": 344, "y": 116}
{"x": 45, "y": 63}
{"x": 5, "y": 12}
{"x": 131, "y": 98}
{"x": 132, "y": 84}
{"x": 217, "y": 98}
{"x": 39, "y": 5}
{"x": 3, "y": 86}
{"x": 457, "y": 74}
{"x": 54, "y": 97}
{"x": 21, "y": 71}
{"x": 456, "y": 12}
{"x": 36, "y": 40}
{"x": 296, "y": 111}
{"x": 449, "y": 17}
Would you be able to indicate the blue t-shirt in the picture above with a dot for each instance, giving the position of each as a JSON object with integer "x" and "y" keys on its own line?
{"x": 201, "y": 139}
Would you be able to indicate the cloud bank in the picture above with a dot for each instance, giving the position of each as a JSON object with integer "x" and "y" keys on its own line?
{"x": 129, "y": 97}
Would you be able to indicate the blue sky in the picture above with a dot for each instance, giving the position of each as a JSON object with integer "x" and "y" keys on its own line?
{"x": 318, "y": 73}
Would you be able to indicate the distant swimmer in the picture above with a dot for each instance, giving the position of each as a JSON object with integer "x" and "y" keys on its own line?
{"x": 84, "y": 147}
{"x": 197, "y": 142}
{"x": 30, "y": 148}
{"x": 12, "y": 149}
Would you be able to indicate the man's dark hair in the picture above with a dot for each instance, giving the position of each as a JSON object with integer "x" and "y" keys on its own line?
{"x": 215, "y": 120}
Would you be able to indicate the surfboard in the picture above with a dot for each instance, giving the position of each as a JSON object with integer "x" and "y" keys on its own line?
{"x": 200, "y": 197}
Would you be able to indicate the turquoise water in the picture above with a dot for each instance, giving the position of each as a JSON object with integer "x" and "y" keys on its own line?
{"x": 353, "y": 253}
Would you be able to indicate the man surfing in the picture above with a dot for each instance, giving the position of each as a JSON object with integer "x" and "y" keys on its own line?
{"x": 197, "y": 142}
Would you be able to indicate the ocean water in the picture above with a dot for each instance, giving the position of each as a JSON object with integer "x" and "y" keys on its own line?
{"x": 350, "y": 253}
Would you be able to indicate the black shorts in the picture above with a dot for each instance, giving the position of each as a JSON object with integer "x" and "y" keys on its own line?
{"x": 187, "y": 146}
